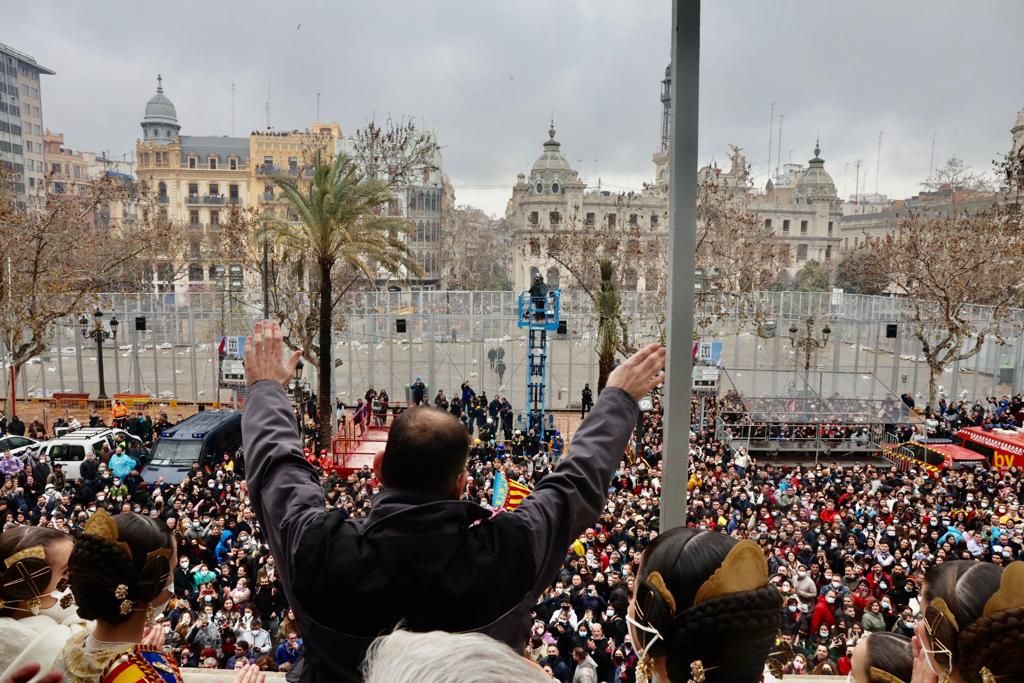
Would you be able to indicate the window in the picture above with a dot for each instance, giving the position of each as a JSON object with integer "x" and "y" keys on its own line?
{"x": 534, "y": 218}
{"x": 293, "y": 163}
{"x": 785, "y": 226}
{"x": 214, "y": 189}
{"x": 233, "y": 191}
{"x": 213, "y": 163}
{"x": 193, "y": 189}
{"x": 215, "y": 218}
{"x": 540, "y": 187}
{"x": 193, "y": 162}
{"x": 233, "y": 164}
{"x": 654, "y": 220}
{"x": 193, "y": 216}
{"x": 830, "y": 227}
{"x": 803, "y": 227}
{"x": 590, "y": 218}
{"x": 162, "y": 189}
{"x": 611, "y": 220}
{"x": 195, "y": 272}
{"x": 632, "y": 219}
{"x": 828, "y": 252}
{"x": 767, "y": 223}
{"x": 801, "y": 252}
{"x": 193, "y": 251}
{"x": 554, "y": 218}
{"x": 554, "y": 278}
{"x": 555, "y": 188}
{"x": 534, "y": 247}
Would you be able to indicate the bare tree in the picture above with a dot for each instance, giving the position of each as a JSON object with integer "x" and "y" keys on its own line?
{"x": 961, "y": 274}
{"x": 65, "y": 250}
{"x": 957, "y": 176}
{"x": 473, "y": 252}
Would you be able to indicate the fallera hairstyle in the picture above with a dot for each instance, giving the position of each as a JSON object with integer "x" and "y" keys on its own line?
{"x": 730, "y": 634}
{"x": 993, "y": 644}
{"x": 439, "y": 657}
{"x": 889, "y": 657}
{"x": 956, "y": 592}
{"x": 25, "y": 579}
{"x": 112, "y": 578}
{"x": 426, "y": 451}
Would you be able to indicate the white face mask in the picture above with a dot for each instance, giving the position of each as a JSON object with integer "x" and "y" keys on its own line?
{"x": 58, "y": 613}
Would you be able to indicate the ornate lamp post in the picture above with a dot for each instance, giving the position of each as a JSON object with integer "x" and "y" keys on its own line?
{"x": 808, "y": 343}
{"x": 99, "y": 335}
{"x": 297, "y": 385}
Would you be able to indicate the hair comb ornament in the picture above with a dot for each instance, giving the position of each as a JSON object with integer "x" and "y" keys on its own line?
{"x": 876, "y": 675}
{"x": 697, "y": 672}
{"x": 657, "y": 582}
{"x": 744, "y": 569}
{"x": 1011, "y": 591}
{"x": 102, "y": 525}
{"x": 986, "y": 675}
{"x": 36, "y": 552}
{"x": 940, "y": 606}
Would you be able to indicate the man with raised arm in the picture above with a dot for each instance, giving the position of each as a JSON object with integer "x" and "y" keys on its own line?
{"x": 423, "y": 557}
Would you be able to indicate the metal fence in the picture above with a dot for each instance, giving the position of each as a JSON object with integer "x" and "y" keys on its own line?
{"x": 449, "y": 337}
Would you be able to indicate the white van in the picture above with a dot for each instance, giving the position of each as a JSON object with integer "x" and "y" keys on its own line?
{"x": 69, "y": 449}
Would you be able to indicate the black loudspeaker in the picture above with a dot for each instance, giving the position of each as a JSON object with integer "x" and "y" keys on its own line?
{"x": 140, "y": 323}
{"x": 563, "y": 327}
{"x": 890, "y": 331}
{"x": 400, "y": 325}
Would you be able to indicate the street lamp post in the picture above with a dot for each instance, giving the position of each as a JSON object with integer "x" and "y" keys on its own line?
{"x": 297, "y": 385}
{"x": 808, "y": 343}
{"x": 99, "y": 335}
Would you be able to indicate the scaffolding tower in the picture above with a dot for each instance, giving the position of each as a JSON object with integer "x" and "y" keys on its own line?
{"x": 538, "y": 315}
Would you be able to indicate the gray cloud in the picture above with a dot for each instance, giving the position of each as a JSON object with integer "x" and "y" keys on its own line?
{"x": 488, "y": 75}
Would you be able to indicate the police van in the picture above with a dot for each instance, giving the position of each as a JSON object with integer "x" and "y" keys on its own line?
{"x": 202, "y": 439}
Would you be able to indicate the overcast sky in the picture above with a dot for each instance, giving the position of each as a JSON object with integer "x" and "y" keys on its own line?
{"x": 488, "y": 75}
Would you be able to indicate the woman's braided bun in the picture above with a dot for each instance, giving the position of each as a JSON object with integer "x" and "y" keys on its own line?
{"x": 98, "y": 568}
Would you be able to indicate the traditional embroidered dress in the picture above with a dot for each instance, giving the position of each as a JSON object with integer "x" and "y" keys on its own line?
{"x": 87, "y": 660}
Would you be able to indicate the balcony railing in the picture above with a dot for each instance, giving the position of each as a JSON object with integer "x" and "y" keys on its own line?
{"x": 206, "y": 199}
{"x": 266, "y": 196}
{"x": 163, "y": 199}
{"x": 294, "y": 171}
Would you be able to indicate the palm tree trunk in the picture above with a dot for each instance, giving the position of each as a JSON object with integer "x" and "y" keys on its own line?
{"x": 325, "y": 356}
{"x": 605, "y": 365}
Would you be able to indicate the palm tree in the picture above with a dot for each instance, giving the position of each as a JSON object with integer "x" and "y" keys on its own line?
{"x": 339, "y": 222}
{"x": 607, "y": 302}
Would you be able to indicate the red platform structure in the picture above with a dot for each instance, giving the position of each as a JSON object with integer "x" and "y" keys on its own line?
{"x": 353, "y": 448}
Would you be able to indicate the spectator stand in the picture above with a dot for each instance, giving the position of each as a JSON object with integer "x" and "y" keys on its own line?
{"x": 801, "y": 420}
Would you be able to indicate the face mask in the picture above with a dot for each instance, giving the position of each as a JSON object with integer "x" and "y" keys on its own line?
{"x": 830, "y": 601}
{"x": 792, "y": 608}
{"x": 57, "y": 611}
{"x": 824, "y": 634}
{"x": 583, "y": 634}
{"x": 883, "y": 585}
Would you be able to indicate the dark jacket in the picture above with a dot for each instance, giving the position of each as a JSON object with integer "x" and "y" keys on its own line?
{"x": 429, "y": 562}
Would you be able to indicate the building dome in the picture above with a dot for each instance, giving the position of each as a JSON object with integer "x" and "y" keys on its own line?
{"x": 160, "y": 124}
{"x": 815, "y": 183}
{"x": 159, "y": 109}
{"x": 551, "y": 159}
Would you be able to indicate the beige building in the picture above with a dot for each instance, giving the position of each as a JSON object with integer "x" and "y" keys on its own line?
{"x": 198, "y": 180}
{"x": 553, "y": 197}
{"x": 803, "y": 209}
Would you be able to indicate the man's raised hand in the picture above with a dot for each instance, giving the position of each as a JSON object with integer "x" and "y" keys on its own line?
{"x": 641, "y": 372}
{"x": 264, "y": 356}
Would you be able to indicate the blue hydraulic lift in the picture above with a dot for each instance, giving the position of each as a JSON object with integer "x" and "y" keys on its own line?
{"x": 539, "y": 316}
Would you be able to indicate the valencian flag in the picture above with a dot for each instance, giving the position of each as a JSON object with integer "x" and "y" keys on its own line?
{"x": 508, "y": 494}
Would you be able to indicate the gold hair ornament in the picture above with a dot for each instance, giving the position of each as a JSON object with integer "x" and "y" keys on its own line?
{"x": 1011, "y": 591}
{"x": 940, "y": 606}
{"x": 744, "y": 569}
{"x": 102, "y": 525}
{"x": 986, "y": 675}
{"x": 876, "y": 675}
{"x": 697, "y": 672}
{"x": 37, "y": 552}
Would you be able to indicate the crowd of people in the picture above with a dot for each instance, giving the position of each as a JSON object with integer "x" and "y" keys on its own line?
{"x": 850, "y": 555}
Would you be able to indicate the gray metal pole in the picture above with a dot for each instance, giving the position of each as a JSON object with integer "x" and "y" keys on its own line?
{"x": 432, "y": 379}
{"x": 136, "y": 371}
{"x": 117, "y": 365}
{"x": 60, "y": 354}
{"x": 78, "y": 359}
{"x": 682, "y": 243}
{"x": 193, "y": 346}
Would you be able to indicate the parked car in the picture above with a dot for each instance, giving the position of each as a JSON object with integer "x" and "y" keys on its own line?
{"x": 69, "y": 449}
{"x": 17, "y": 445}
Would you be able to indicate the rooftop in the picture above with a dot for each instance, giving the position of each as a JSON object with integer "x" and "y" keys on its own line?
{"x": 28, "y": 59}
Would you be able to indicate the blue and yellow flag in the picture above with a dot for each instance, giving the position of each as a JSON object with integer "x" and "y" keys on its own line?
{"x": 500, "y": 493}
{"x": 508, "y": 494}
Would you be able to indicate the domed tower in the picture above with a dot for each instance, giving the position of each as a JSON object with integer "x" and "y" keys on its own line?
{"x": 551, "y": 173}
{"x": 1018, "y": 133}
{"x": 160, "y": 124}
{"x": 815, "y": 184}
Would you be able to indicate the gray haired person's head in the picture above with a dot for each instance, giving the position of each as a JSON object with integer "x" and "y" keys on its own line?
{"x": 439, "y": 657}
